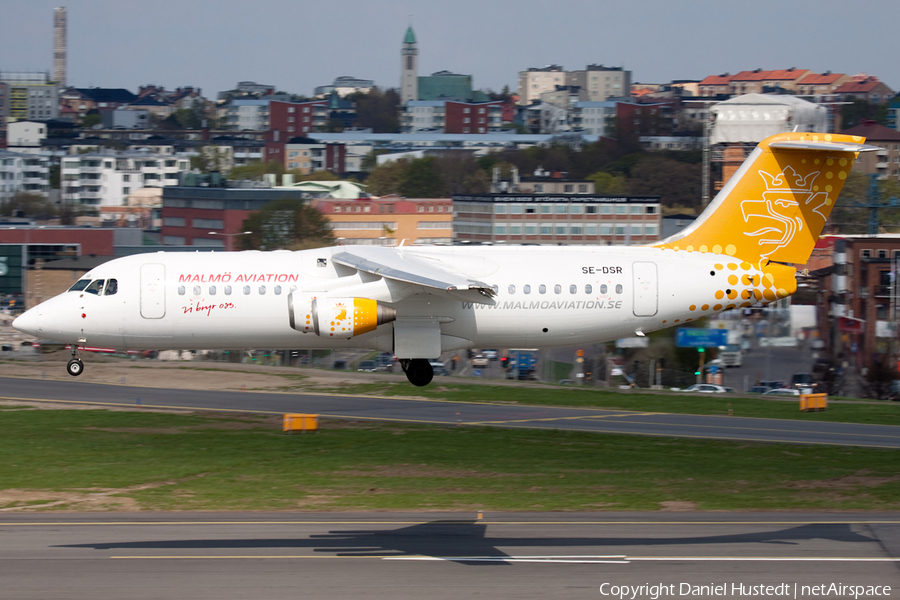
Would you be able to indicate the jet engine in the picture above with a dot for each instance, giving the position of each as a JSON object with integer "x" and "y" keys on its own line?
{"x": 337, "y": 317}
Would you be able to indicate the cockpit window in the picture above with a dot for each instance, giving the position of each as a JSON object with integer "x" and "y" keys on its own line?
{"x": 112, "y": 286}
{"x": 96, "y": 287}
{"x": 79, "y": 285}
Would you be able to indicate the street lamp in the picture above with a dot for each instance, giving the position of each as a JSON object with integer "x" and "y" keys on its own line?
{"x": 228, "y": 243}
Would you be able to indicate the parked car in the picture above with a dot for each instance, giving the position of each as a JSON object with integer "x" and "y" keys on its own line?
{"x": 490, "y": 354}
{"x": 782, "y": 392}
{"x": 339, "y": 365}
{"x": 758, "y": 389}
{"x": 706, "y": 388}
{"x": 439, "y": 368}
{"x": 479, "y": 360}
{"x": 367, "y": 366}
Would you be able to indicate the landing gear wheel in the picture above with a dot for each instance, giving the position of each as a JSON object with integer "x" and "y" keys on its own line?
{"x": 418, "y": 371}
{"x": 75, "y": 367}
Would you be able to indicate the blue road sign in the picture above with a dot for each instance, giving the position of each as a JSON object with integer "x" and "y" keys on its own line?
{"x": 695, "y": 337}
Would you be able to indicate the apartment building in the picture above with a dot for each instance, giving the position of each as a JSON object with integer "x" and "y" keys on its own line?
{"x": 452, "y": 117}
{"x": 306, "y": 155}
{"x": 601, "y": 83}
{"x": 865, "y": 87}
{"x": 561, "y": 219}
{"x": 95, "y": 180}
{"x": 246, "y": 115}
{"x": 884, "y": 162}
{"x": 593, "y": 118}
{"x": 535, "y": 81}
{"x": 23, "y": 173}
{"x": 821, "y": 84}
{"x": 29, "y": 96}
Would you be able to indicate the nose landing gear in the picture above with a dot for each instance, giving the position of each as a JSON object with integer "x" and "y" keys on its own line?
{"x": 418, "y": 370}
{"x": 75, "y": 367}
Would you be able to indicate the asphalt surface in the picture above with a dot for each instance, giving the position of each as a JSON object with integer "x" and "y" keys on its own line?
{"x": 415, "y": 555}
{"x": 408, "y": 410}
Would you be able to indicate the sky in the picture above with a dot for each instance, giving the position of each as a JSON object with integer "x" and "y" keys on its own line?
{"x": 296, "y": 45}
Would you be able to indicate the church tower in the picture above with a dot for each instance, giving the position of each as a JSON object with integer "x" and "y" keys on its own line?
{"x": 409, "y": 81}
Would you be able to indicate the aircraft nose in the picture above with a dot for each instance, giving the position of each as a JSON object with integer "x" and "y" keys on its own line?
{"x": 28, "y": 322}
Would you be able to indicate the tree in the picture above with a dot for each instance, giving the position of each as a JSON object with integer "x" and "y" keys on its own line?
{"x": 91, "y": 118}
{"x": 386, "y": 178}
{"x": 27, "y": 204}
{"x": 858, "y": 109}
{"x": 256, "y": 170}
{"x": 422, "y": 180}
{"x": 677, "y": 184}
{"x": 287, "y": 224}
{"x": 377, "y": 110}
{"x": 609, "y": 184}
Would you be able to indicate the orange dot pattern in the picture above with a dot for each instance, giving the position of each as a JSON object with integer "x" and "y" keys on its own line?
{"x": 749, "y": 287}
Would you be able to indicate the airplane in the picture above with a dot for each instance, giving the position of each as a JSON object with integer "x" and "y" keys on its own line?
{"x": 419, "y": 301}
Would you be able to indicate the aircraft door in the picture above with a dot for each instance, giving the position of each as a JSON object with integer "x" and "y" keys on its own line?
{"x": 153, "y": 291}
{"x": 646, "y": 283}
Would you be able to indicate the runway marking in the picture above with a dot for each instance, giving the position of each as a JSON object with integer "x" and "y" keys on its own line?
{"x": 562, "y": 559}
{"x": 624, "y": 559}
{"x": 726, "y": 439}
{"x": 560, "y": 418}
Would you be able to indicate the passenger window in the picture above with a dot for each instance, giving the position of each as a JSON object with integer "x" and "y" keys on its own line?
{"x": 262, "y": 290}
{"x": 277, "y": 290}
{"x": 112, "y": 286}
{"x": 542, "y": 289}
{"x": 573, "y": 289}
{"x": 212, "y": 290}
{"x": 588, "y": 289}
{"x": 603, "y": 289}
{"x": 79, "y": 285}
{"x": 181, "y": 290}
{"x": 512, "y": 289}
{"x": 526, "y": 288}
{"x": 557, "y": 289}
{"x": 227, "y": 290}
{"x": 197, "y": 290}
{"x": 96, "y": 287}
{"x": 619, "y": 288}
{"x": 246, "y": 290}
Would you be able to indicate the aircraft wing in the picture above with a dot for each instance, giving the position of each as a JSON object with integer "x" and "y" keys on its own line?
{"x": 404, "y": 267}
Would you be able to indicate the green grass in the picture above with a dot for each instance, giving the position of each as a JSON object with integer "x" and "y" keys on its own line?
{"x": 198, "y": 462}
{"x": 884, "y": 413}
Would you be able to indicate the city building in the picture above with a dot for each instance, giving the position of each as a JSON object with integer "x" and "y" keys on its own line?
{"x": 409, "y": 68}
{"x": 593, "y": 118}
{"x": 561, "y": 219}
{"x": 884, "y": 162}
{"x": 26, "y": 136}
{"x": 345, "y": 85}
{"x": 213, "y": 217}
{"x": 864, "y": 87}
{"x": 29, "y": 96}
{"x": 23, "y": 173}
{"x": 95, "y": 180}
{"x": 857, "y": 297}
{"x": 600, "y": 83}
{"x": 447, "y": 116}
{"x": 246, "y": 115}
{"x": 555, "y": 182}
{"x": 820, "y": 84}
{"x": 389, "y": 220}
{"x": 536, "y": 81}
{"x": 306, "y": 156}
{"x": 130, "y": 118}
{"x": 82, "y": 100}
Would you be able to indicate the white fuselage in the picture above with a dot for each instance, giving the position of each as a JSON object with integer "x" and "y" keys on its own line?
{"x": 545, "y": 297}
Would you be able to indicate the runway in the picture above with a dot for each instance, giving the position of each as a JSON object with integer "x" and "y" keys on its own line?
{"x": 416, "y": 555}
{"x": 410, "y": 410}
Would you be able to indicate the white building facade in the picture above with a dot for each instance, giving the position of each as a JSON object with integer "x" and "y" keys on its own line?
{"x": 23, "y": 173}
{"x": 95, "y": 180}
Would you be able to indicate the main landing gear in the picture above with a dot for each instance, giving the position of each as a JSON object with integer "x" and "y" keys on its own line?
{"x": 75, "y": 367}
{"x": 418, "y": 371}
